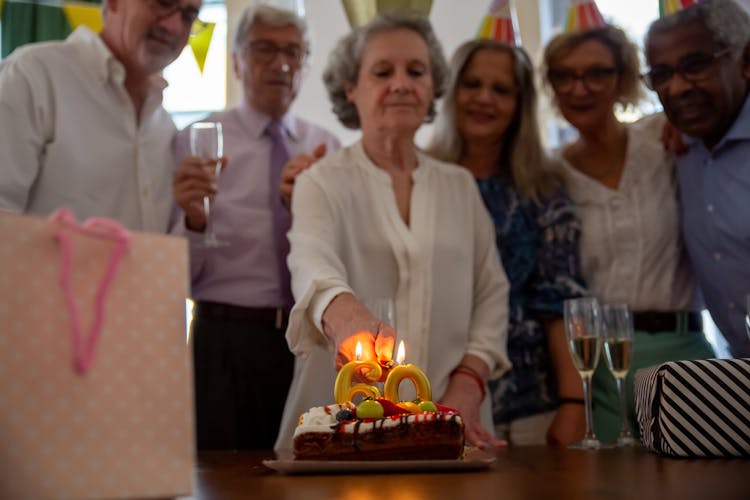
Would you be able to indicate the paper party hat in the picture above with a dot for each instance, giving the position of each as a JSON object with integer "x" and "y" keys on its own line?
{"x": 583, "y": 15}
{"x": 500, "y": 23}
{"x": 667, "y": 7}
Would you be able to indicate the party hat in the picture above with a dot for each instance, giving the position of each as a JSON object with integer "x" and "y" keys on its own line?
{"x": 500, "y": 23}
{"x": 667, "y": 7}
{"x": 583, "y": 15}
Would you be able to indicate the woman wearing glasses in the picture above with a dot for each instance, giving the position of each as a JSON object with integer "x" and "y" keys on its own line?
{"x": 622, "y": 182}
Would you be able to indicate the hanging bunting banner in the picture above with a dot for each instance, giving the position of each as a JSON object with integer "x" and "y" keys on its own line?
{"x": 200, "y": 42}
{"x": 84, "y": 14}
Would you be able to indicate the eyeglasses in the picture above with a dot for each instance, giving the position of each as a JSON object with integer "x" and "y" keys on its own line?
{"x": 188, "y": 14}
{"x": 693, "y": 68}
{"x": 594, "y": 79}
{"x": 265, "y": 51}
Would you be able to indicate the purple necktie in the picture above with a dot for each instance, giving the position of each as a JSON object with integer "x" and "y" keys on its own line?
{"x": 282, "y": 219}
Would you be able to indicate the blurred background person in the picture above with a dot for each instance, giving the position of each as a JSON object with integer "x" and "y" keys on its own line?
{"x": 100, "y": 145}
{"x": 242, "y": 295}
{"x": 382, "y": 219}
{"x": 488, "y": 125}
{"x": 623, "y": 183}
{"x": 698, "y": 60}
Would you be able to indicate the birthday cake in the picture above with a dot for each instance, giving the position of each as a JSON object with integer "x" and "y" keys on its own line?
{"x": 347, "y": 432}
{"x": 379, "y": 428}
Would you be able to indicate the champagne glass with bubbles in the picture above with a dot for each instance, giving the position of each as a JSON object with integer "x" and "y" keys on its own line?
{"x": 206, "y": 141}
{"x": 618, "y": 348}
{"x": 583, "y": 329}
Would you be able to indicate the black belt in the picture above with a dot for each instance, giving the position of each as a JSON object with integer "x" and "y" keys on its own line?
{"x": 674, "y": 321}
{"x": 276, "y": 317}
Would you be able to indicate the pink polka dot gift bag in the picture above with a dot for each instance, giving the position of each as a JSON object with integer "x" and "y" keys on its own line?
{"x": 95, "y": 375}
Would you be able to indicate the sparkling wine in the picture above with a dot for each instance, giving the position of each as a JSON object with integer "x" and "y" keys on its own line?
{"x": 619, "y": 353}
{"x": 585, "y": 352}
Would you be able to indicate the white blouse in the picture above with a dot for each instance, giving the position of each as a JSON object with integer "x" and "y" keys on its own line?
{"x": 443, "y": 270}
{"x": 631, "y": 247}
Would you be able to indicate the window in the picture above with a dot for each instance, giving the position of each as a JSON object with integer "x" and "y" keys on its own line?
{"x": 190, "y": 94}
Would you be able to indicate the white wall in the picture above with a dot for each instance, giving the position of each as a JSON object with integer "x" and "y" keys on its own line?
{"x": 454, "y": 21}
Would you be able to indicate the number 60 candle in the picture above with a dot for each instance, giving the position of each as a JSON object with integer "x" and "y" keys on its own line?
{"x": 409, "y": 371}
{"x": 344, "y": 390}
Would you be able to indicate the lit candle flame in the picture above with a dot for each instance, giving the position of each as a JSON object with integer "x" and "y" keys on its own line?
{"x": 400, "y": 354}
{"x": 358, "y": 351}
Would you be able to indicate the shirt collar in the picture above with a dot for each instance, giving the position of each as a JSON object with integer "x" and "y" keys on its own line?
{"x": 739, "y": 131}
{"x": 103, "y": 63}
{"x": 256, "y": 122}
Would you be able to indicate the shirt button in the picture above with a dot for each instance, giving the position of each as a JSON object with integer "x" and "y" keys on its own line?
{"x": 709, "y": 161}
{"x": 717, "y": 256}
{"x": 144, "y": 191}
{"x": 710, "y": 208}
{"x": 731, "y": 305}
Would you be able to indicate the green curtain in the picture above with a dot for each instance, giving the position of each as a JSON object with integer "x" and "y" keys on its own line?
{"x": 30, "y": 21}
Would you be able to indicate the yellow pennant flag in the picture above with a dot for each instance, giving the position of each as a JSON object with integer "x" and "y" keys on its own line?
{"x": 1, "y": 8}
{"x": 200, "y": 42}
{"x": 84, "y": 14}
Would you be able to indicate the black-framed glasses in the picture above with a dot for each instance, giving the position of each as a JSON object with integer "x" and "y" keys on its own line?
{"x": 188, "y": 13}
{"x": 693, "y": 68}
{"x": 594, "y": 79}
{"x": 265, "y": 51}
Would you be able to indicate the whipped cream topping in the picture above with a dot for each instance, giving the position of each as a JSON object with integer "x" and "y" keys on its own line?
{"x": 323, "y": 419}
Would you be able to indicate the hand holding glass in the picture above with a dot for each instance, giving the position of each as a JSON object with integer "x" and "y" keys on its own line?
{"x": 618, "y": 346}
{"x": 583, "y": 325}
{"x": 206, "y": 141}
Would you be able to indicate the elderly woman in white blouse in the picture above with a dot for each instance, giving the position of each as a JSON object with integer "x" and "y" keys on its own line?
{"x": 623, "y": 184}
{"x": 381, "y": 219}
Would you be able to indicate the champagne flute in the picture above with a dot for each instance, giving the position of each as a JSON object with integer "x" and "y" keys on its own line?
{"x": 747, "y": 313}
{"x": 583, "y": 325}
{"x": 384, "y": 309}
{"x": 618, "y": 346}
{"x": 206, "y": 141}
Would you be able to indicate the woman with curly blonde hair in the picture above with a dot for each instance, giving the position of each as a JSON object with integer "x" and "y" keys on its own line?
{"x": 622, "y": 181}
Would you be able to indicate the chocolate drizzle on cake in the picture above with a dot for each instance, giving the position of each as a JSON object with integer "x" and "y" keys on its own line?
{"x": 407, "y": 436}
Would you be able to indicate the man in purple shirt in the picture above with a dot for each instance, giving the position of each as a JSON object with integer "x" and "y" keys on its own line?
{"x": 243, "y": 367}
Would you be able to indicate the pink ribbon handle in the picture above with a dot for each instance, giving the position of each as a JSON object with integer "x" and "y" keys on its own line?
{"x": 84, "y": 346}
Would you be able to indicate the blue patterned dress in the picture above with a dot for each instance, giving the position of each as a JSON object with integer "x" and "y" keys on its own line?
{"x": 538, "y": 246}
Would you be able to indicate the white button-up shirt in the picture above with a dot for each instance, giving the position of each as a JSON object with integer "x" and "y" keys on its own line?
{"x": 631, "y": 248}
{"x": 443, "y": 270}
{"x": 71, "y": 138}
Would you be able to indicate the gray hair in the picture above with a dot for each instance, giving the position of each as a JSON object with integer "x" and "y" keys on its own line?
{"x": 726, "y": 20}
{"x": 532, "y": 171}
{"x": 270, "y": 16}
{"x": 344, "y": 62}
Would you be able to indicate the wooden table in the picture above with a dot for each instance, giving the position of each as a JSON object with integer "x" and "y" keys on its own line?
{"x": 523, "y": 473}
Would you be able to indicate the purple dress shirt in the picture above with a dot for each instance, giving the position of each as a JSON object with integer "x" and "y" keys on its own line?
{"x": 244, "y": 272}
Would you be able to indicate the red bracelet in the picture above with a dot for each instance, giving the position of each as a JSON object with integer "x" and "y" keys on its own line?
{"x": 471, "y": 373}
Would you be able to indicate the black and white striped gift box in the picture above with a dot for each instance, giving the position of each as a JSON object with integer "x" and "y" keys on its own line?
{"x": 695, "y": 408}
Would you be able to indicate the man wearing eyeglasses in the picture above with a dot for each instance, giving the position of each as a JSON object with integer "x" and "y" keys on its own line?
{"x": 699, "y": 62}
{"x": 82, "y": 121}
{"x": 243, "y": 366}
